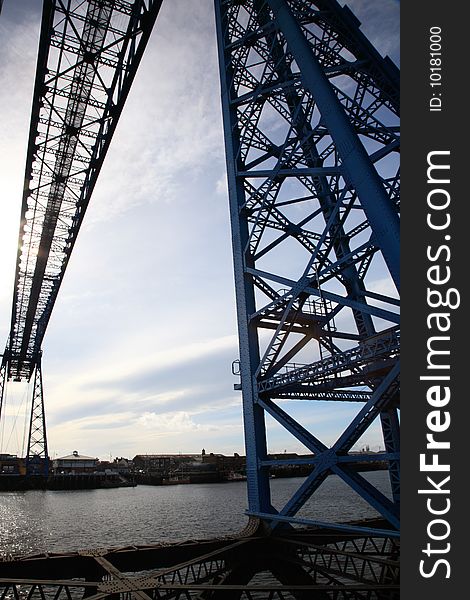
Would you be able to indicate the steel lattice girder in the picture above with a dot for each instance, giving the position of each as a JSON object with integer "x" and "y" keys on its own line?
{"x": 311, "y": 127}
{"x": 88, "y": 56}
{"x": 320, "y": 563}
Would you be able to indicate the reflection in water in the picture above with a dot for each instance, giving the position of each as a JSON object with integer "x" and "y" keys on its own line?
{"x": 55, "y": 521}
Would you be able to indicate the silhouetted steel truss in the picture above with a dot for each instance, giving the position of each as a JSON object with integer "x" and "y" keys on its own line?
{"x": 311, "y": 131}
{"x": 88, "y": 56}
{"x": 302, "y": 565}
{"x": 89, "y": 52}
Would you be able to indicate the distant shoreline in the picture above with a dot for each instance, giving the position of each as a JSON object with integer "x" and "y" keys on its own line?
{"x": 18, "y": 483}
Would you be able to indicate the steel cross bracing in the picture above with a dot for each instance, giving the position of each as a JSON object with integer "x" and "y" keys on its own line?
{"x": 299, "y": 566}
{"x": 311, "y": 127}
{"x": 88, "y": 56}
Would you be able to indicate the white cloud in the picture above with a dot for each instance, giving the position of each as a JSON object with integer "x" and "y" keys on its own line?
{"x": 221, "y": 186}
{"x": 172, "y": 422}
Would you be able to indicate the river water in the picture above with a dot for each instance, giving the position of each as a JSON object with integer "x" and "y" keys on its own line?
{"x": 55, "y": 521}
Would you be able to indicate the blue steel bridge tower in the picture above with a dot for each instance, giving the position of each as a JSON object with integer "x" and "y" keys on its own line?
{"x": 311, "y": 126}
{"x": 311, "y": 121}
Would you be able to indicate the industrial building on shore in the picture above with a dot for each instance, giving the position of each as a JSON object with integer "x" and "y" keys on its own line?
{"x": 76, "y": 470}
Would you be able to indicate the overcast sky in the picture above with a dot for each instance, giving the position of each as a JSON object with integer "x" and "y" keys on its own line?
{"x": 137, "y": 356}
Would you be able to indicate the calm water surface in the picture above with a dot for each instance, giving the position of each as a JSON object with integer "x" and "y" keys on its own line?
{"x": 39, "y": 521}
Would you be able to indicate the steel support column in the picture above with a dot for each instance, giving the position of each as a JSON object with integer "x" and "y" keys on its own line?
{"x": 37, "y": 456}
{"x": 310, "y": 114}
{"x": 3, "y": 383}
{"x": 253, "y": 415}
{"x": 391, "y": 433}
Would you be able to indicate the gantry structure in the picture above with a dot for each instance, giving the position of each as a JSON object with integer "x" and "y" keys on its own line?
{"x": 311, "y": 128}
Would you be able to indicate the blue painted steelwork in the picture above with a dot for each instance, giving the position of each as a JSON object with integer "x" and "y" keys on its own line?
{"x": 385, "y": 533}
{"x": 357, "y": 168}
{"x": 370, "y": 351}
{"x": 311, "y": 127}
